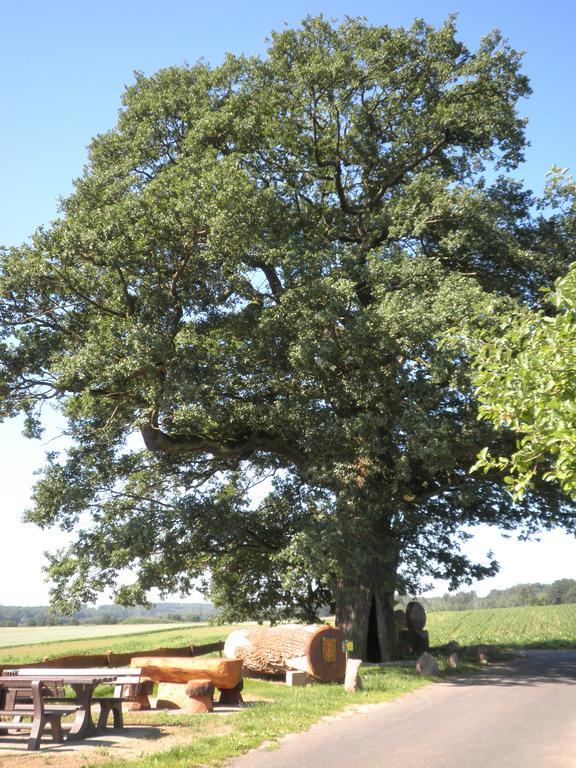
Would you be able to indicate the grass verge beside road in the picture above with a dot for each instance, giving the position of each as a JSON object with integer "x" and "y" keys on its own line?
{"x": 273, "y": 710}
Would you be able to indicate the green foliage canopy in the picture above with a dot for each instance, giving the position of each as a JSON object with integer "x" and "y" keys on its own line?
{"x": 525, "y": 376}
{"x": 253, "y": 273}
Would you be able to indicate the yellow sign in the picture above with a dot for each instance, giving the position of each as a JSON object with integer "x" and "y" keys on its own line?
{"x": 348, "y": 646}
{"x": 329, "y": 649}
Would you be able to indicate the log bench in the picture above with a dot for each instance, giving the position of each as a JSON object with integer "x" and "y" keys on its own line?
{"x": 26, "y": 699}
{"x": 224, "y": 674}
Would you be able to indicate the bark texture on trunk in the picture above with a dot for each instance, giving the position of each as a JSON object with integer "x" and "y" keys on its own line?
{"x": 365, "y": 613}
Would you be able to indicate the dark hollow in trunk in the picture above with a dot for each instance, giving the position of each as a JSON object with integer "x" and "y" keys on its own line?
{"x": 373, "y": 652}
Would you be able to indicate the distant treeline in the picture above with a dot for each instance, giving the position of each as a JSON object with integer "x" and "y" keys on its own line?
{"x": 557, "y": 593}
{"x": 42, "y": 615}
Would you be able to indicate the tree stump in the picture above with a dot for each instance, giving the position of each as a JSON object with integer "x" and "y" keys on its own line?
{"x": 399, "y": 619}
{"x": 415, "y": 616}
{"x": 201, "y": 696}
{"x": 232, "y": 696}
{"x": 138, "y": 696}
{"x": 412, "y": 642}
{"x": 195, "y": 697}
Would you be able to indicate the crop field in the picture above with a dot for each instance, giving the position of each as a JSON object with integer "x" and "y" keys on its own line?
{"x": 34, "y": 635}
{"x": 551, "y": 626}
{"x": 35, "y": 643}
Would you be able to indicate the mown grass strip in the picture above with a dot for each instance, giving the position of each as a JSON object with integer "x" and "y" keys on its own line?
{"x": 12, "y": 637}
{"x": 143, "y": 640}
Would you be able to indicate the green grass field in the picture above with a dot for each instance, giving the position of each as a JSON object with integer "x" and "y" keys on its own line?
{"x": 10, "y": 636}
{"x": 543, "y": 626}
{"x": 51, "y": 641}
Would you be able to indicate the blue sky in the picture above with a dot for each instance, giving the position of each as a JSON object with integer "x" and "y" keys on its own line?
{"x": 64, "y": 65}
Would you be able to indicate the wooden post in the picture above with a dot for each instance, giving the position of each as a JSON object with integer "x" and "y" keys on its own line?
{"x": 352, "y": 681}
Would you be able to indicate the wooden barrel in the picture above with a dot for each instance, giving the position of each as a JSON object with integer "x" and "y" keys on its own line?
{"x": 311, "y": 648}
{"x": 415, "y": 616}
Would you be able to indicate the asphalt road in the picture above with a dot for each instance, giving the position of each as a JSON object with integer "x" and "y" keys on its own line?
{"x": 516, "y": 715}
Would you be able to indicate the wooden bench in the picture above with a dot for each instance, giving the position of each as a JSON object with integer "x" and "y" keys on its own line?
{"x": 15, "y": 697}
{"x": 224, "y": 674}
{"x": 128, "y": 686}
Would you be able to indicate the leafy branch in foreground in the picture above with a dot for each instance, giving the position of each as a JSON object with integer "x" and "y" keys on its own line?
{"x": 526, "y": 378}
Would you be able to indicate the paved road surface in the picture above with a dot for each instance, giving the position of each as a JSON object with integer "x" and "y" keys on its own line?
{"x": 517, "y": 715}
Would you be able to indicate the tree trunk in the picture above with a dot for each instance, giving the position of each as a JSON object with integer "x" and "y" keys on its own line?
{"x": 365, "y": 613}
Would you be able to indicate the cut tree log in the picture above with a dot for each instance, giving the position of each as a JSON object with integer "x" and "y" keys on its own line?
{"x": 415, "y": 616}
{"x": 223, "y": 673}
{"x": 312, "y": 648}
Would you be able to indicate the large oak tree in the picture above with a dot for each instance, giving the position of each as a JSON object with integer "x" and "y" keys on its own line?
{"x": 252, "y": 274}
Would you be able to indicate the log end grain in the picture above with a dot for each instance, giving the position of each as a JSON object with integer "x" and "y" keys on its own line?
{"x": 415, "y": 616}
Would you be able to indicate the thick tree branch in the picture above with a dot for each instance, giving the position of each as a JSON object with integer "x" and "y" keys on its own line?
{"x": 397, "y": 178}
{"x": 276, "y": 286}
{"x": 198, "y": 235}
{"x": 238, "y": 447}
{"x": 336, "y": 165}
{"x": 88, "y": 299}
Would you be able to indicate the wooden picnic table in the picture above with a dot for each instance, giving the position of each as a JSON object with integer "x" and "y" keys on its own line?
{"x": 21, "y": 698}
{"x": 82, "y": 682}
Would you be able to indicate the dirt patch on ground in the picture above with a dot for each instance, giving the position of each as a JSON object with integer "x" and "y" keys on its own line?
{"x": 134, "y": 741}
